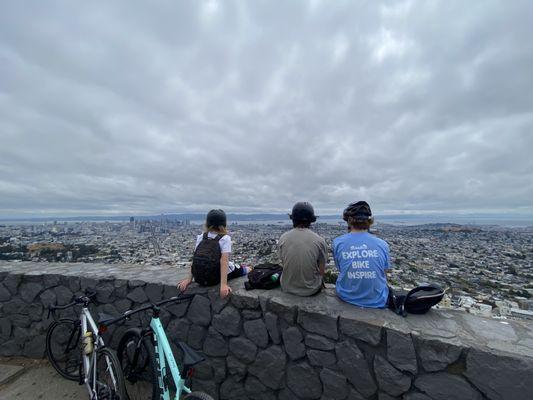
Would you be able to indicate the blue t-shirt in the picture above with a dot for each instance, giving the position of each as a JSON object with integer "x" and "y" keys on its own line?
{"x": 362, "y": 260}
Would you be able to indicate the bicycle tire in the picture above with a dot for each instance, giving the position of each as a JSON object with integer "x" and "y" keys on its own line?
{"x": 140, "y": 379}
{"x": 198, "y": 396}
{"x": 109, "y": 377}
{"x": 66, "y": 361}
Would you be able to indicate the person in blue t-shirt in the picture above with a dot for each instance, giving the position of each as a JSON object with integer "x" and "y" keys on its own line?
{"x": 362, "y": 259}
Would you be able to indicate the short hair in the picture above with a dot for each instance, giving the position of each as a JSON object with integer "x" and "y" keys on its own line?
{"x": 359, "y": 223}
{"x": 301, "y": 224}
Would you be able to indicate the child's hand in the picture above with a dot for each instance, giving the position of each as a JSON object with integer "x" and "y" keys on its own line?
{"x": 225, "y": 290}
{"x": 184, "y": 284}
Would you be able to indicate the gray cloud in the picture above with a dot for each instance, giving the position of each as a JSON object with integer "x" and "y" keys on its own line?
{"x": 179, "y": 106}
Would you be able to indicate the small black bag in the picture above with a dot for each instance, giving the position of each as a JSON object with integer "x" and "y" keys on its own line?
{"x": 417, "y": 301}
{"x": 206, "y": 261}
{"x": 264, "y": 276}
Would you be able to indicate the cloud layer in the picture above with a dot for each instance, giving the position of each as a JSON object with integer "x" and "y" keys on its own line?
{"x": 141, "y": 107}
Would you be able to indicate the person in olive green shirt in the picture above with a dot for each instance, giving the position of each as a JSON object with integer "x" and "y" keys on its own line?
{"x": 303, "y": 254}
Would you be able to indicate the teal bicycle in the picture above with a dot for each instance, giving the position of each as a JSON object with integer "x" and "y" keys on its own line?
{"x": 148, "y": 364}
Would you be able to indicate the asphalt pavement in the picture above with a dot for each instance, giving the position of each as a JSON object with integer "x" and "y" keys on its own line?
{"x": 24, "y": 379}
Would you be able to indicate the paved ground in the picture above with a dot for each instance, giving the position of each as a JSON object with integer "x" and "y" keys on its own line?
{"x": 35, "y": 379}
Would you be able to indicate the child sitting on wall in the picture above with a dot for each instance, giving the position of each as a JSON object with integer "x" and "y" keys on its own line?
{"x": 211, "y": 264}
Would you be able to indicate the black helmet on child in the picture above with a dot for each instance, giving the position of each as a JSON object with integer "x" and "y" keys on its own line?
{"x": 303, "y": 212}
{"x": 216, "y": 218}
{"x": 359, "y": 211}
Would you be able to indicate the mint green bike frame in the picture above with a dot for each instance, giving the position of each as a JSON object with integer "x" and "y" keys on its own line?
{"x": 165, "y": 359}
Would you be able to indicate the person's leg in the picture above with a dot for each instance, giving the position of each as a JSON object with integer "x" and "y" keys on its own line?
{"x": 238, "y": 271}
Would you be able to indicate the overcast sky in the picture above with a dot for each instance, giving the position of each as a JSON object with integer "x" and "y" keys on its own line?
{"x": 166, "y": 106}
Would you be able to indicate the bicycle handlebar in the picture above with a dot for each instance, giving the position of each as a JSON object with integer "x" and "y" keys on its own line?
{"x": 154, "y": 306}
{"x": 86, "y": 298}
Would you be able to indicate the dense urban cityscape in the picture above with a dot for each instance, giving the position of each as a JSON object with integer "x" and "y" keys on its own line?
{"x": 486, "y": 270}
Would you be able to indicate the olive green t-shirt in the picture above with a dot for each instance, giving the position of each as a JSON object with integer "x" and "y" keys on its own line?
{"x": 301, "y": 252}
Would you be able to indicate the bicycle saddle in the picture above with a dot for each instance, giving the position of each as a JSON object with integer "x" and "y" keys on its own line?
{"x": 190, "y": 356}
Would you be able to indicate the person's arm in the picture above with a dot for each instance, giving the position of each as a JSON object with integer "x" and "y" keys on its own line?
{"x": 321, "y": 268}
{"x": 225, "y": 290}
{"x": 184, "y": 283}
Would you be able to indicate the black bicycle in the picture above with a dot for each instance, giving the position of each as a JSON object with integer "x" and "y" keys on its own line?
{"x": 148, "y": 363}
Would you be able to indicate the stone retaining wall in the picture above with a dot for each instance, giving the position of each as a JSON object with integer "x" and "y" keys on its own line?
{"x": 269, "y": 345}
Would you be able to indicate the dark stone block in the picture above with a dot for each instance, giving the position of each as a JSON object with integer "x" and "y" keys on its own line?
{"x": 251, "y": 314}
{"x": 51, "y": 280}
{"x": 335, "y": 386}
{"x": 12, "y": 282}
{"x": 217, "y": 303}
{"x": 15, "y": 306}
{"x": 390, "y": 380}
{"x": 48, "y": 297}
{"x": 121, "y": 288}
{"x": 207, "y": 386}
{"x": 436, "y": 355}
{"x": 219, "y": 368}
{"x": 154, "y": 292}
{"x": 178, "y": 309}
{"x": 72, "y": 282}
{"x": 257, "y": 391}
{"x": 88, "y": 284}
{"x": 200, "y": 311}
{"x": 34, "y": 347}
{"x": 269, "y": 367}
{"x": 137, "y": 295}
{"x": 271, "y": 322}
{"x": 215, "y": 345}
{"x": 5, "y": 328}
{"x": 323, "y": 324}
{"x": 10, "y": 348}
{"x": 353, "y": 364}
{"x": 287, "y": 394}
{"x": 416, "y": 396}
{"x": 196, "y": 336}
{"x": 444, "y": 386}
{"x": 256, "y": 331}
{"x": 228, "y": 322}
{"x": 123, "y": 305}
{"x": 354, "y": 395}
{"x": 284, "y": 311}
{"x": 22, "y": 321}
{"x": 135, "y": 283}
{"x": 63, "y": 295}
{"x": 104, "y": 292}
{"x": 319, "y": 342}
{"x": 245, "y": 301}
{"x": 170, "y": 291}
{"x": 179, "y": 329}
{"x": 5, "y": 294}
{"x": 28, "y": 291}
{"x": 293, "y": 341}
{"x": 304, "y": 381}
{"x": 236, "y": 368}
{"x": 244, "y": 349}
{"x": 232, "y": 389}
{"x": 499, "y": 376}
{"x": 401, "y": 352}
{"x": 319, "y": 358}
{"x": 360, "y": 330}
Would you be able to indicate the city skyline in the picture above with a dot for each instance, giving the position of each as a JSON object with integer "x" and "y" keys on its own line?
{"x": 121, "y": 109}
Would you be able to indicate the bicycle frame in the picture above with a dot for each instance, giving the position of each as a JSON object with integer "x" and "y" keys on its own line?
{"x": 165, "y": 359}
{"x": 89, "y": 361}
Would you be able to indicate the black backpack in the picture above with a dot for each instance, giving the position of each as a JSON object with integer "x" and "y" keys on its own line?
{"x": 417, "y": 301}
{"x": 206, "y": 261}
{"x": 264, "y": 276}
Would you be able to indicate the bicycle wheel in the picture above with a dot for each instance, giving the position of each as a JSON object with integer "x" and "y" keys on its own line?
{"x": 63, "y": 348}
{"x": 109, "y": 378}
{"x": 198, "y": 396}
{"x": 136, "y": 356}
